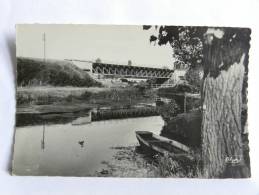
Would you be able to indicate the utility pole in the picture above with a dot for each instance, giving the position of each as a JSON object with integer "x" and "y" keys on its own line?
{"x": 44, "y": 46}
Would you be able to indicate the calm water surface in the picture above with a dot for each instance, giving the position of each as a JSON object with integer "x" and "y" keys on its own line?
{"x": 75, "y": 150}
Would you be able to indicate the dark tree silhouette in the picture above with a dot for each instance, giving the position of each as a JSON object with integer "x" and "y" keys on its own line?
{"x": 129, "y": 63}
{"x": 153, "y": 39}
{"x": 98, "y": 60}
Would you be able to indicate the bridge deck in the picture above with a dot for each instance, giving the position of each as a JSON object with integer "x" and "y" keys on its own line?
{"x": 130, "y": 71}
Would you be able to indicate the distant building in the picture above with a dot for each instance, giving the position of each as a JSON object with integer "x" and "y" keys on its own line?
{"x": 178, "y": 76}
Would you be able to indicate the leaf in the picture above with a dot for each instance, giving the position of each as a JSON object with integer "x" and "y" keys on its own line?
{"x": 152, "y": 38}
{"x": 146, "y": 27}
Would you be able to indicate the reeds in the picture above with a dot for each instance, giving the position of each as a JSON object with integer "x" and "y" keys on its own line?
{"x": 180, "y": 167}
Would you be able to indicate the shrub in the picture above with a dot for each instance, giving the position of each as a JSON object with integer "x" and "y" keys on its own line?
{"x": 169, "y": 110}
{"x": 33, "y": 72}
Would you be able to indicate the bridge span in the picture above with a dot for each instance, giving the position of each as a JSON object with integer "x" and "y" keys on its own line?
{"x": 108, "y": 70}
{"x": 125, "y": 71}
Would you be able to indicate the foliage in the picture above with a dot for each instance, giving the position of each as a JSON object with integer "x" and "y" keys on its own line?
{"x": 177, "y": 93}
{"x": 180, "y": 88}
{"x": 178, "y": 128}
{"x": 193, "y": 46}
{"x": 48, "y": 95}
{"x": 142, "y": 87}
{"x": 86, "y": 95}
{"x": 35, "y": 72}
{"x": 169, "y": 110}
{"x": 129, "y": 63}
{"x": 103, "y": 96}
{"x": 228, "y": 46}
{"x": 187, "y": 45}
{"x": 167, "y": 167}
{"x": 98, "y": 60}
{"x": 194, "y": 76}
{"x": 125, "y": 95}
{"x": 178, "y": 166}
{"x": 187, "y": 49}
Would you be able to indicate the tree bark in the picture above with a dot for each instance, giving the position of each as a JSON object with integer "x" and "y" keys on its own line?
{"x": 221, "y": 127}
{"x": 225, "y": 64}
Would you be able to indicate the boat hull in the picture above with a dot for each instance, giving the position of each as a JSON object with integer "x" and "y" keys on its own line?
{"x": 152, "y": 143}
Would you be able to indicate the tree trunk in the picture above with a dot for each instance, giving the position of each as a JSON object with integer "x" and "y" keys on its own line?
{"x": 221, "y": 127}
{"x": 225, "y": 64}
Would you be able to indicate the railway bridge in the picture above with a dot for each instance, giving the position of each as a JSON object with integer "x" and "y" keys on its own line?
{"x": 108, "y": 70}
{"x": 125, "y": 71}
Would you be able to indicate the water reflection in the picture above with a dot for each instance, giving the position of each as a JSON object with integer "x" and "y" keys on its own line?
{"x": 75, "y": 150}
{"x": 83, "y": 116}
{"x": 82, "y": 120}
{"x": 43, "y": 138}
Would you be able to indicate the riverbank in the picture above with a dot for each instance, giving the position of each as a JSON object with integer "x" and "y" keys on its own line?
{"x": 50, "y": 105}
{"x": 132, "y": 162}
{"x": 127, "y": 163}
{"x": 45, "y": 95}
{"x": 67, "y": 99}
{"x": 52, "y": 114}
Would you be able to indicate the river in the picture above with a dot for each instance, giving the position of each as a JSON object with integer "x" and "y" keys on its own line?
{"x": 75, "y": 150}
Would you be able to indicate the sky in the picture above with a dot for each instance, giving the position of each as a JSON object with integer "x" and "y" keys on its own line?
{"x": 110, "y": 43}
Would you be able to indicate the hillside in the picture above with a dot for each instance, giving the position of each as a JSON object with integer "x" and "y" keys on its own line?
{"x": 34, "y": 72}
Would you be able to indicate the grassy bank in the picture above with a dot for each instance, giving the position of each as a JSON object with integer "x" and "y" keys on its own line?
{"x": 126, "y": 163}
{"x": 131, "y": 162}
{"x": 36, "y": 105}
{"x": 49, "y": 95}
{"x": 37, "y": 72}
{"x": 61, "y": 95}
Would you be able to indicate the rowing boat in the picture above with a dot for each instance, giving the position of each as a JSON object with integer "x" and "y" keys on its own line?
{"x": 158, "y": 144}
